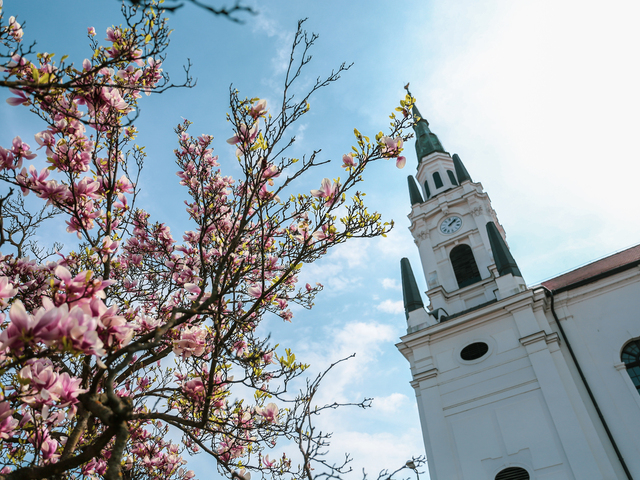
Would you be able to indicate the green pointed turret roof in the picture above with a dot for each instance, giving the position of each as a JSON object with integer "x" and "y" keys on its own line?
{"x": 410, "y": 293}
{"x": 505, "y": 263}
{"x": 461, "y": 171}
{"x": 414, "y": 191}
{"x": 426, "y": 141}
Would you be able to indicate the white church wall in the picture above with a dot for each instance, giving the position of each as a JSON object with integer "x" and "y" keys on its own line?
{"x": 599, "y": 319}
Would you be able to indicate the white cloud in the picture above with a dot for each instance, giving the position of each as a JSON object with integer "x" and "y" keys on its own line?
{"x": 397, "y": 244}
{"x": 390, "y": 306}
{"x": 364, "y": 339}
{"x": 300, "y": 133}
{"x": 354, "y": 253}
{"x": 391, "y": 403}
{"x": 376, "y": 452}
{"x": 390, "y": 283}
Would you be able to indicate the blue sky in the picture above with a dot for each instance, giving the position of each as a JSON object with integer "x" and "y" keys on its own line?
{"x": 539, "y": 99}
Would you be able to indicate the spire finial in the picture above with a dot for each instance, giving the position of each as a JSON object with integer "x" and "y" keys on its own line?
{"x": 426, "y": 141}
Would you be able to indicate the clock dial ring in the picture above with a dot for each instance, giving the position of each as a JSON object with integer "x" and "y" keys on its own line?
{"x": 451, "y": 225}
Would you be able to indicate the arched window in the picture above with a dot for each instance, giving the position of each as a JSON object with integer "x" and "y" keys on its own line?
{"x": 464, "y": 265}
{"x": 437, "y": 180}
{"x": 513, "y": 473}
{"x": 631, "y": 358}
{"x": 452, "y": 177}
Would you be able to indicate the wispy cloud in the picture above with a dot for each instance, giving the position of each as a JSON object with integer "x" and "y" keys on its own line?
{"x": 390, "y": 284}
{"x": 391, "y": 306}
{"x": 391, "y": 403}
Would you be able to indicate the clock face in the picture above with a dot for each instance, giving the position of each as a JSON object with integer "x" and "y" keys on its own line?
{"x": 451, "y": 225}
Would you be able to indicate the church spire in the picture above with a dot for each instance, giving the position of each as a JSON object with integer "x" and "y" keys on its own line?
{"x": 426, "y": 141}
{"x": 410, "y": 293}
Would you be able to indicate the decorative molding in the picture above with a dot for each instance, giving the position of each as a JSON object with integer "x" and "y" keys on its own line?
{"x": 477, "y": 210}
{"x": 426, "y": 375}
{"x": 533, "y": 338}
{"x": 620, "y": 366}
{"x": 552, "y": 338}
{"x": 539, "y": 336}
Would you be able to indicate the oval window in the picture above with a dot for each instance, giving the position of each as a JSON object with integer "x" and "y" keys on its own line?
{"x": 513, "y": 473}
{"x": 474, "y": 351}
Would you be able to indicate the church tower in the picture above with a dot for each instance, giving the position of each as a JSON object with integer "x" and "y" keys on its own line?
{"x": 464, "y": 255}
{"x": 498, "y": 394}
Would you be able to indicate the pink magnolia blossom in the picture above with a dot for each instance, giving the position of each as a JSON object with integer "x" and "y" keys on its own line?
{"x": 255, "y": 290}
{"x": 6, "y": 291}
{"x": 391, "y": 147}
{"x": 27, "y": 329}
{"x": 401, "y": 161}
{"x": 244, "y": 138}
{"x": 270, "y": 412}
{"x": 194, "y": 389}
{"x": 267, "y": 462}
{"x": 327, "y": 191}
{"x": 267, "y": 358}
{"x": 69, "y": 389}
{"x": 7, "y": 423}
{"x": 7, "y": 161}
{"x": 21, "y": 99}
{"x": 46, "y": 139}
{"x": 325, "y": 233}
{"x": 91, "y": 31}
{"x": 242, "y": 474}
{"x": 192, "y": 342}
{"x": 113, "y": 329}
{"x": 113, "y": 34}
{"x": 240, "y": 348}
{"x": 258, "y": 109}
{"x": 78, "y": 332}
{"x": 48, "y": 445}
{"x": 15, "y": 29}
{"x": 348, "y": 161}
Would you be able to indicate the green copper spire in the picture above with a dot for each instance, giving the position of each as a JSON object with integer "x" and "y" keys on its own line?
{"x": 414, "y": 191}
{"x": 410, "y": 293}
{"x": 501, "y": 254}
{"x": 426, "y": 142}
{"x": 461, "y": 171}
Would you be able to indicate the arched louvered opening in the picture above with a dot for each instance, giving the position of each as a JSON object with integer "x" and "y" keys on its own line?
{"x": 513, "y": 473}
{"x": 464, "y": 265}
{"x": 437, "y": 180}
{"x": 452, "y": 177}
{"x": 427, "y": 192}
{"x": 631, "y": 358}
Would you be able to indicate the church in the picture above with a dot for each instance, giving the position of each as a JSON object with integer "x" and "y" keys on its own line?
{"x": 515, "y": 382}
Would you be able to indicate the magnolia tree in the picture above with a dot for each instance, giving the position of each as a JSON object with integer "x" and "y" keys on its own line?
{"x": 137, "y": 336}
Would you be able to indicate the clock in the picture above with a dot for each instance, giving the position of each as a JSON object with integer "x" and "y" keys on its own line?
{"x": 450, "y": 225}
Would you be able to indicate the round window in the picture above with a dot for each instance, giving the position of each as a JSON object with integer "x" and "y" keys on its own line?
{"x": 474, "y": 351}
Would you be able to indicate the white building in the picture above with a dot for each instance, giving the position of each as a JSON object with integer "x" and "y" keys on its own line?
{"x": 515, "y": 382}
